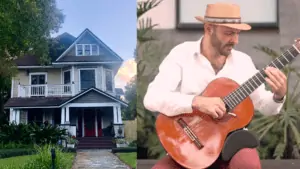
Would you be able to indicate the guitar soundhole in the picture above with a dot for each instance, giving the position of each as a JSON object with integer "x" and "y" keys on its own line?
{"x": 189, "y": 133}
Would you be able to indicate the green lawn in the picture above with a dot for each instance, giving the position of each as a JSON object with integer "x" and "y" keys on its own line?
{"x": 128, "y": 158}
{"x": 17, "y": 161}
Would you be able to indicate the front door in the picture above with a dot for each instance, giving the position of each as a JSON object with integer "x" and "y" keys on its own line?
{"x": 89, "y": 122}
{"x": 38, "y": 81}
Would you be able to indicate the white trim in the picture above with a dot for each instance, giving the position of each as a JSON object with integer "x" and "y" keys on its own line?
{"x": 96, "y": 38}
{"x": 79, "y": 76}
{"x": 82, "y": 122}
{"x": 92, "y": 104}
{"x": 103, "y": 93}
{"x": 96, "y": 123}
{"x": 63, "y": 76}
{"x": 12, "y": 88}
{"x": 112, "y": 79}
{"x": 83, "y": 49}
{"x": 38, "y": 73}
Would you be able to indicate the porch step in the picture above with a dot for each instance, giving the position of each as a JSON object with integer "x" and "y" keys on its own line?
{"x": 95, "y": 143}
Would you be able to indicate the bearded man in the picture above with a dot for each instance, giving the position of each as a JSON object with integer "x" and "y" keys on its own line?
{"x": 191, "y": 66}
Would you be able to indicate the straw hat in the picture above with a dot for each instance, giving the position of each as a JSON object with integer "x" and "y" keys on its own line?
{"x": 225, "y": 14}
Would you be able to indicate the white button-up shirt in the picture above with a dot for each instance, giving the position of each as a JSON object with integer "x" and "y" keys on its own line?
{"x": 185, "y": 73}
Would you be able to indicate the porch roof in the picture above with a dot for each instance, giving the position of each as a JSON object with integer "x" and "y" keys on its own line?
{"x": 55, "y": 102}
{"x": 35, "y": 102}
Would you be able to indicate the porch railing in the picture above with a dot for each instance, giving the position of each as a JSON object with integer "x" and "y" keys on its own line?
{"x": 45, "y": 90}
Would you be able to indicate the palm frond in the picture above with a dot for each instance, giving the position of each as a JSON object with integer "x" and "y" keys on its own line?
{"x": 267, "y": 51}
{"x": 279, "y": 150}
{"x": 145, "y": 6}
{"x": 144, "y": 29}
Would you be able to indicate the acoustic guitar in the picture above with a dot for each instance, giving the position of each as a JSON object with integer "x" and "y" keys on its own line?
{"x": 195, "y": 140}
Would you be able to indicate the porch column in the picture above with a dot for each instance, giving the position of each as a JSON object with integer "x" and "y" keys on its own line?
{"x": 18, "y": 116}
{"x": 115, "y": 115}
{"x": 14, "y": 116}
{"x": 73, "y": 81}
{"x": 62, "y": 115}
{"x": 67, "y": 115}
{"x": 119, "y": 115}
{"x": 11, "y": 115}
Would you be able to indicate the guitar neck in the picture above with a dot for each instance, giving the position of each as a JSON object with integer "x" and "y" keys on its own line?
{"x": 238, "y": 95}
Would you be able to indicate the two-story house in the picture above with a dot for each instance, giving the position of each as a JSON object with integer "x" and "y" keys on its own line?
{"x": 77, "y": 89}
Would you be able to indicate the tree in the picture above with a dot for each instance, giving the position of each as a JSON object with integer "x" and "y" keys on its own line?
{"x": 25, "y": 28}
{"x": 279, "y": 135}
{"x": 130, "y": 95}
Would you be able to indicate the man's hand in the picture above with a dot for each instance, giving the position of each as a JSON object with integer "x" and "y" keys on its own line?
{"x": 277, "y": 81}
{"x": 213, "y": 106}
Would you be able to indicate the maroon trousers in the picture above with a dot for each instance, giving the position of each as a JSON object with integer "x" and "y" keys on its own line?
{"x": 244, "y": 159}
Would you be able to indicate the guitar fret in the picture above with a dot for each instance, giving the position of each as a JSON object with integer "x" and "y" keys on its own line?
{"x": 238, "y": 95}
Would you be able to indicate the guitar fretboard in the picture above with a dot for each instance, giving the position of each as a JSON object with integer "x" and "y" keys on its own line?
{"x": 238, "y": 95}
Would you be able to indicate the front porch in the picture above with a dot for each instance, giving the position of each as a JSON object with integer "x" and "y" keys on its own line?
{"x": 80, "y": 119}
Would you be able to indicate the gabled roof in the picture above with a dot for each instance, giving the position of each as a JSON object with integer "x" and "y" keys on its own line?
{"x": 87, "y": 31}
{"x": 98, "y": 91}
{"x": 64, "y": 43}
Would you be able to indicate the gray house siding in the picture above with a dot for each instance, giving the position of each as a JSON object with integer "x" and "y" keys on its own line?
{"x": 93, "y": 97}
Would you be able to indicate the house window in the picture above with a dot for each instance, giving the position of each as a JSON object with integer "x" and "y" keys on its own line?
{"x": 87, "y": 78}
{"x": 37, "y": 81}
{"x": 67, "y": 77}
{"x": 79, "y": 50}
{"x": 87, "y": 50}
{"x": 109, "y": 80}
{"x": 67, "y": 81}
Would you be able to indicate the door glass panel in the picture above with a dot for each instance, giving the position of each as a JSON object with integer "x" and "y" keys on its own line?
{"x": 37, "y": 81}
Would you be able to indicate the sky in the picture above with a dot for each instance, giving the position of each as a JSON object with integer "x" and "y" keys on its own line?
{"x": 113, "y": 21}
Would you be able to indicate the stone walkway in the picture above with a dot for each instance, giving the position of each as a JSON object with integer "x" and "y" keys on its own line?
{"x": 97, "y": 159}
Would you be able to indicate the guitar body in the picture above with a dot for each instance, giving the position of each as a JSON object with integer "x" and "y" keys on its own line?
{"x": 210, "y": 132}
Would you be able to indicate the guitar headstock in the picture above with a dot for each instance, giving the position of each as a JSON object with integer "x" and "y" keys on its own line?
{"x": 297, "y": 43}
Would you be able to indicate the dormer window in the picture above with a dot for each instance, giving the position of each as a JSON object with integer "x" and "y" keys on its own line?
{"x": 87, "y": 50}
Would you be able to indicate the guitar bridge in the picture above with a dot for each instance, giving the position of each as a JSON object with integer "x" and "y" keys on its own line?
{"x": 189, "y": 133}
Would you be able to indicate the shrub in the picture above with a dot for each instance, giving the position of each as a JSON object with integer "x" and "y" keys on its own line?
{"x": 6, "y": 153}
{"x": 43, "y": 159}
{"x": 31, "y": 133}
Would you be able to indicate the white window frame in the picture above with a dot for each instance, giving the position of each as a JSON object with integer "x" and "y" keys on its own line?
{"x": 83, "y": 49}
{"x": 38, "y": 73}
{"x": 79, "y": 78}
{"x": 63, "y": 76}
{"x": 112, "y": 79}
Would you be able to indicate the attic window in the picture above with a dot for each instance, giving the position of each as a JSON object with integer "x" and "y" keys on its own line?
{"x": 87, "y": 50}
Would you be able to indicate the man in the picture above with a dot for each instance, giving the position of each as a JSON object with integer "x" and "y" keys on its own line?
{"x": 190, "y": 66}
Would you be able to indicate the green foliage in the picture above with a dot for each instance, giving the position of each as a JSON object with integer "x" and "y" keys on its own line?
{"x": 42, "y": 160}
{"x": 6, "y": 153}
{"x": 145, "y": 26}
{"x": 14, "y": 145}
{"x": 281, "y": 131}
{"x": 26, "y": 27}
{"x": 130, "y": 95}
{"x": 31, "y": 133}
{"x": 148, "y": 61}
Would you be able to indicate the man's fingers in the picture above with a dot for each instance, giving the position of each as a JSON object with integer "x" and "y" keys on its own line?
{"x": 220, "y": 112}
